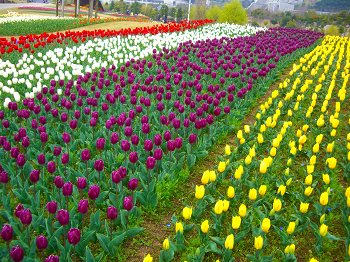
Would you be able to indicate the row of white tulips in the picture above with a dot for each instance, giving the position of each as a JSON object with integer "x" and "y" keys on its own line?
{"x": 27, "y": 75}
{"x": 25, "y": 18}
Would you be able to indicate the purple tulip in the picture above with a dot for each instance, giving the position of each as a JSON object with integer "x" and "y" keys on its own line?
{"x": 133, "y": 183}
{"x": 52, "y": 258}
{"x": 20, "y": 160}
{"x": 150, "y": 162}
{"x": 51, "y": 167}
{"x": 99, "y": 165}
{"x": 7, "y": 232}
{"x": 94, "y": 192}
{"x": 25, "y": 142}
{"x": 63, "y": 217}
{"x": 26, "y": 217}
{"x": 65, "y": 158}
{"x": 85, "y": 155}
{"x": 158, "y": 139}
{"x": 41, "y": 242}
{"x": 51, "y": 207}
{"x": 66, "y": 137}
{"x": 83, "y": 206}
{"x": 4, "y": 178}
{"x": 41, "y": 159}
{"x": 128, "y": 203}
{"x": 116, "y": 177}
{"x": 112, "y": 212}
{"x": 57, "y": 150}
{"x": 158, "y": 154}
{"x": 73, "y": 236}
{"x": 114, "y": 138}
{"x": 67, "y": 189}
{"x": 17, "y": 253}
{"x": 167, "y": 135}
{"x": 44, "y": 137}
{"x": 171, "y": 145}
{"x": 133, "y": 157}
{"x": 81, "y": 183}
{"x": 148, "y": 145}
{"x": 58, "y": 181}
{"x": 192, "y": 138}
{"x": 125, "y": 145}
{"x": 145, "y": 128}
{"x": 100, "y": 143}
{"x": 18, "y": 210}
{"x": 135, "y": 140}
{"x": 34, "y": 176}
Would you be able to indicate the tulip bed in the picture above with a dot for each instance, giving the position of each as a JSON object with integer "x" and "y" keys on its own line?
{"x": 282, "y": 190}
{"x": 29, "y": 73}
{"x": 77, "y": 164}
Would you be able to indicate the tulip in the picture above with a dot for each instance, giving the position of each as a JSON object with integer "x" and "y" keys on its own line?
{"x": 242, "y": 211}
{"x": 85, "y": 155}
{"x": 187, "y": 213}
{"x": 150, "y": 162}
{"x": 99, "y": 165}
{"x": 291, "y": 228}
{"x": 281, "y": 190}
{"x": 324, "y": 198}
{"x": 67, "y": 189}
{"x": 205, "y": 177}
{"x": 73, "y": 236}
{"x": 258, "y": 242}
{"x": 200, "y": 191}
{"x": 128, "y": 203}
{"x": 222, "y": 166}
{"x": 133, "y": 183}
{"x": 25, "y": 217}
{"x": 262, "y": 190}
{"x": 313, "y": 260}
{"x": 17, "y": 253}
{"x": 63, "y": 217}
{"x": 277, "y": 204}
{"x": 34, "y": 176}
{"x": 290, "y": 249}
{"x": 239, "y": 172}
{"x": 148, "y": 258}
{"x": 227, "y": 150}
{"x": 332, "y": 162}
{"x": 304, "y": 207}
{"x": 229, "y": 242}
{"x": 308, "y": 180}
{"x": 205, "y": 226}
{"x": 326, "y": 179}
{"x": 112, "y": 212}
{"x": 179, "y": 227}
{"x": 265, "y": 225}
{"x": 94, "y": 192}
{"x": 7, "y": 232}
{"x": 225, "y": 205}
{"x": 166, "y": 244}
{"x": 253, "y": 194}
{"x": 51, "y": 207}
{"x": 212, "y": 176}
{"x": 308, "y": 191}
{"x": 41, "y": 242}
{"x": 218, "y": 208}
{"x": 323, "y": 230}
{"x": 263, "y": 167}
{"x": 236, "y": 222}
{"x": 81, "y": 183}
{"x": 51, "y": 167}
{"x": 83, "y": 206}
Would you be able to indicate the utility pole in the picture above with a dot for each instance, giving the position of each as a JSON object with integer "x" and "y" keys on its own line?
{"x": 189, "y": 10}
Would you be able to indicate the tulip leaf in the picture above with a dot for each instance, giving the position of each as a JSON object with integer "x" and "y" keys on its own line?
{"x": 212, "y": 247}
{"x": 134, "y": 231}
{"x": 333, "y": 237}
{"x": 104, "y": 242}
{"x": 117, "y": 240}
{"x": 88, "y": 255}
{"x": 218, "y": 240}
{"x": 191, "y": 160}
{"x": 241, "y": 235}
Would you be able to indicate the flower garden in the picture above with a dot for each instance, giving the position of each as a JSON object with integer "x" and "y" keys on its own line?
{"x": 93, "y": 122}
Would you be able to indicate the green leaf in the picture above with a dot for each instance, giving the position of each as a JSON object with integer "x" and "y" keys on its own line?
{"x": 117, "y": 240}
{"x": 191, "y": 160}
{"x": 88, "y": 255}
{"x": 104, "y": 242}
{"x": 134, "y": 231}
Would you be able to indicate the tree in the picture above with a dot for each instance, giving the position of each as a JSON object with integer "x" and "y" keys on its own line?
{"x": 213, "y": 13}
{"x": 121, "y": 7}
{"x": 112, "y": 6}
{"x": 164, "y": 9}
{"x": 291, "y": 24}
{"x": 135, "y": 8}
{"x": 91, "y": 4}
{"x": 57, "y": 7}
{"x": 179, "y": 14}
{"x": 172, "y": 12}
{"x": 233, "y": 12}
{"x": 332, "y": 30}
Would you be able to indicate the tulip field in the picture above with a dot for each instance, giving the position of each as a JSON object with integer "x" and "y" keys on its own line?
{"x": 93, "y": 121}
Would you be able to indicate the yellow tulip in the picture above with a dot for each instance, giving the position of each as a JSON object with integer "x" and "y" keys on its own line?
{"x": 263, "y": 167}
{"x": 310, "y": 169}
{"x": 248, "y": 160}
{"x": 319, "y": 138}
{"x": 222, "y": 166}
{"x": 179, "y": 227}
{"x": 252, "y": 152}
{"x": 305, "y": 128}
{"x": 289, "y": 181}
{"x": 291, "y": 228}
{"x": 236, "y": 222}
{"x": 148, "y": 258}
{"x": 242, "y": 211}
{"x": 333, "y": 132}
{"x": 253, "y": 194}
{"x": 304, "y": 207}
{"x": 322, "y": 218}
{"x": 313, "y": 160}
{"x": 347, "y": 192}
{"x": 324, "y": 199}
{"x": 242, "y": 141}
{"x": 293, "y": 150}
{"x": 299, "y": 133}
{"x": 239, "y": 134}
{"x": 187, "y": 213}
{"x": 166, "y": 244}
{"x": 246, "y": 128}
{"x": 349, "y": 250}
{"x": 316, "y": 148}
{"x": 205, "y": 226}
{"x": 273, "y": 151}
{"x": 277, "y": 204}
{"x": 302, "y": 139}
{"x": 290, "y": 249}
{"x": 212, "y": 176}
{"x": 323, "y": 230}
{"x": 269, "y": 161}
{"x": 227, "y": 150}
{"x": 320, "y": 122}
{"x": 262, "y": 190}
{"x": 230, "y": 192}
{"x": 332, "y": 162}
{"x": 330, "y": 147}
{"x": 205, "y": 177}
{"x": 229, "y": 242}
{"x": 289, "y": 162}
{"x": 281, "y": 190}
{"x": 219, "y": 207}
{"x": 258, "y": 242}
{"x": 313, "y": 260}
{"x": 260, "y": 138}
{"x": 200, "y": 191}
{"x": 348, "y": 201}
{"x": 265, "y": 225}
{"x": 262, "y": 128}
{"x": 326, "y": 179}
{"x": 308, "y": 191}
{"x": 239, "y": 172}
{"x": 308, "y": 180}
{"x": 349, "y": 156}
{"x": 290, "y": 112}
{"x": 225, "y": 205}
